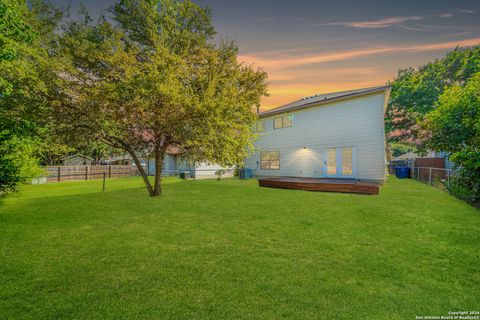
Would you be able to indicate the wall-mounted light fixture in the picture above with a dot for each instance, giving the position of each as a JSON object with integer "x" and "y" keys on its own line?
{"x": 304, "y": 147}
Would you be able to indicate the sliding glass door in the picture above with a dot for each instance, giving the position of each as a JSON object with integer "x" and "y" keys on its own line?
{"x": 339, "y": 162}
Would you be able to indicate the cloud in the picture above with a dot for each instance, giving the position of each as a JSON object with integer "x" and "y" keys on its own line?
{"x": 332, "y": 73}
{"x": 299, "y": 19}
{"x": 445, "y": 15}
{"x": 466, "y": 11}
{"x": 374, "y": 24}
{"x": 414, "y": 28}
{"x": 283, "y": 61}
{"x": 266, "y": 19}
{"x": 293, "y": 74}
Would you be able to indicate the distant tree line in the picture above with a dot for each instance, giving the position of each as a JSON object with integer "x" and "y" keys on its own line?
{"x": 437, "y": 107}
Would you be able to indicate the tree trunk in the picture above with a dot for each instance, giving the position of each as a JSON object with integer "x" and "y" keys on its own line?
{"x": 142, "y": 172}
{"x": 159, "y": 157}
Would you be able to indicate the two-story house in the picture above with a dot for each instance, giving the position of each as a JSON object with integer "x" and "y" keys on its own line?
{"x": 333, "y": 135}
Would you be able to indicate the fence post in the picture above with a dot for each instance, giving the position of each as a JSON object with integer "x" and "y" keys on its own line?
{"x": 109, "y": 171}
{"x": 86, "y": 172}
{"x": 448, "y": 181}
{"x": 430, "y": 177}
{"x": 59, "y": 173}
{"x": 104, "y": 176}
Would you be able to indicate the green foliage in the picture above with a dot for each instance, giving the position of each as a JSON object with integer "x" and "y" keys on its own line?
{"x": 51, "y": 150}
{"x": 454, "y": 126}
{"x": 14, "y": 31}
{"x": 28, "y": 83}
{"x": 15, "y": 38}
{"x": 219, "y": 174}
{"x": 415, "y": 92}
{"x": 398, "y": 149}
{"x": 95, "y": 149}
{"x": 155, "y": 79}
{"x": 17, "y": 162}
{"x": 465, "y": 188}
{"x": 436, "y": 107}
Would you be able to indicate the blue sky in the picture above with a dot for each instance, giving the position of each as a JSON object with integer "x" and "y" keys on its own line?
{"x": 310, "y": 47}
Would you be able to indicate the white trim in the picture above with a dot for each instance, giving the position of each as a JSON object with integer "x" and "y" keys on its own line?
{"x": 339, "y": 162}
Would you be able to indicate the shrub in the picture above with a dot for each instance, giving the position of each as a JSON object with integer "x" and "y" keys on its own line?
{"x": 465, "y": 187}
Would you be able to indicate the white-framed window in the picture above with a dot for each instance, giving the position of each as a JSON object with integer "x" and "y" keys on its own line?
{"x": 282, "y": 122}
{"x": 270, "y": 160}
{"x": 260, "y": 126}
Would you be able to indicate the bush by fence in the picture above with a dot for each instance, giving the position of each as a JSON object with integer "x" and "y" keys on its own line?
{"x": 436, "y": 177}
{"x": 451, "y": 181}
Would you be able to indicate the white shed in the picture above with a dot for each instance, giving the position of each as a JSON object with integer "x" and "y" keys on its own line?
{"x": 77, "y": 160}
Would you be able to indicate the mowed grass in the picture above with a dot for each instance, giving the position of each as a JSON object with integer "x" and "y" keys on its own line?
{"x": 232, "y": 250}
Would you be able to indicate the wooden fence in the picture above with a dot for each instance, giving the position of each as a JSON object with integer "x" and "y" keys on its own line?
{"x": 424, "y": 164}
{"x": 74, "y": 173}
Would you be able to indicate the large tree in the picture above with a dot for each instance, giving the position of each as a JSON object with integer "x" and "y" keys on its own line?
{"x": 415, "y": 92}
{"x": 151, "y": 76}
{"x": 454, "y": 126}
{"x": 25, "y": 71}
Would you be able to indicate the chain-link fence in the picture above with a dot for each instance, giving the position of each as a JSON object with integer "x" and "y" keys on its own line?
{"x": 435, "y": 177}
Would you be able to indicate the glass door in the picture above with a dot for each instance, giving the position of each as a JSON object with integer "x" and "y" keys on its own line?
{"x": 347, "y": 162}
{"x": 331, "y": 162}
{"x": 340, "y": 162}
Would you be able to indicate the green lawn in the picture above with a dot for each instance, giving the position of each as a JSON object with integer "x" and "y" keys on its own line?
{"x": 231, "y": 250}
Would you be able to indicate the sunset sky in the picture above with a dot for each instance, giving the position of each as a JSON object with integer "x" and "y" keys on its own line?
{"x": 310, "y": 47}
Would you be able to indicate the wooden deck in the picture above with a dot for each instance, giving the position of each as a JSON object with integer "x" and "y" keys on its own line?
{"x": 318, "y": 184}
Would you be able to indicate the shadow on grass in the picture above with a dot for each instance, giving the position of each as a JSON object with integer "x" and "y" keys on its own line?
{"x": 84, "y": 187}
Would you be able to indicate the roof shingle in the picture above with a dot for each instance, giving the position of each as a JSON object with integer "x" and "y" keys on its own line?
{"x": 322, "y": 98}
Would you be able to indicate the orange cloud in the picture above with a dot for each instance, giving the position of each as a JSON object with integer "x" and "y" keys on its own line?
{"x": 294, "y": 76}
{"x": 284, "y": 62}
{"x": 382, "y": 23}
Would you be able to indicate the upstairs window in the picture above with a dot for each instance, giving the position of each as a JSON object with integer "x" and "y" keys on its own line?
{"x": 270, "y": 160}
{"x": 260, "y": 126}
{"x": 282, "y": 122}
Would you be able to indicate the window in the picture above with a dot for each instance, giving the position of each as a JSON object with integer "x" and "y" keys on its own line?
{"x": 347, "y": 161}
{"x": 260, "y": 126}
{"x": 277, "y": 123}
{"x": 270, "y": 160}
{"x": 282, "y": 122}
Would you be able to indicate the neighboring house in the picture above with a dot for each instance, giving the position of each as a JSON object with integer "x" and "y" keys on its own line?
{"x": 333, "y": 135}
{"x": 175, "y": 162}
{"x": 77, "y": 160}
{"x": 413, "y": 156}
{"x": 434, "y": 159}
{"x": 125, "y": 160}
{"x": 172, "y": 163}
{"x": 120, "y": 160}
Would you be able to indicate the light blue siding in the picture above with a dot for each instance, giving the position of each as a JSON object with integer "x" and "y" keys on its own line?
{"x": 356, "y": 122}
{"x": 169, "y": 165}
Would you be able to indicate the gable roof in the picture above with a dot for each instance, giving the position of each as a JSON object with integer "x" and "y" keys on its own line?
{"x": 325, "y": 98}
{"x": 413, "y": 155}
{"x": 77, "y": 155}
